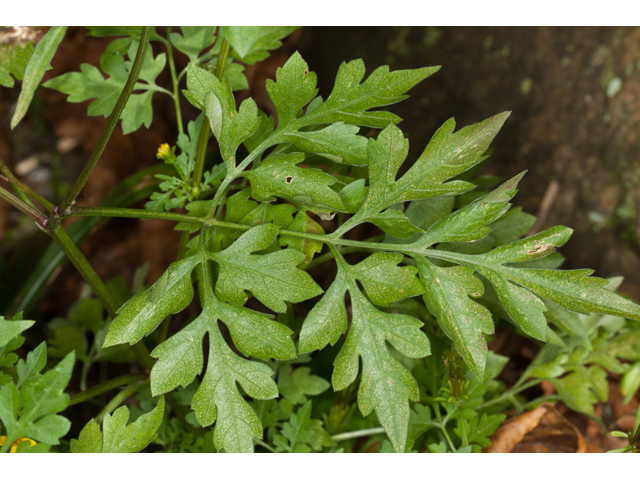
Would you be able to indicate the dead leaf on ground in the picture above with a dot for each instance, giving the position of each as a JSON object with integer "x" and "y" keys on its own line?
{"x": 542, "y": 430}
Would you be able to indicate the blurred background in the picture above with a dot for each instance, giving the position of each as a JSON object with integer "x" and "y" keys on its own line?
{"x": 574, "y": 94}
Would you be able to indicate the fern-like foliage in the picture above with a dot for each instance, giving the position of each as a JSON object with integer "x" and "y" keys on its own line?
{"x": 312, "y": 161}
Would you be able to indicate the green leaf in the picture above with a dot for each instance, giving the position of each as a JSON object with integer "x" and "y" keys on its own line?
{"x": 339, "y": 142}
{"x": 422, "y": 214}
{"x": 218, "y": 399}
{"x": 273, "y": 278}
{"x": 295, "y": 86}
{"x": 447, "y": 155}
{"x": 36, "y": 361}
{"x": 278, "y": 176}
{"x": 353, "y": 195}
{"x": 465, "y": 322}
{"x": 386, "y": 386}
{"x": 144, "y": 312}
{"x": 180, "y": 358}
{"x": 630, "y": 382}
{"x": 90, "y": 439}
{"x": 482, "y": 427}
{"x": 41, "y": 398}
{"x": 351, "y": 101}
{"x": 117, "y": 436}
{"x": 296, "y": 385}
{"x": 575, "y": 390}
{"x": 517, "y": 287}
{"x": 38, "y": 64}
{"x": 193, "y": 40}
{"x": 385, "y": 282}
{"x": 296, "y": 433}
{"x": 89, "y": 83}
{"x": 9, "y": 329}
{"x": 393, "y": 222}
{"x": 13, "y": 61}
{"x": 470, "y": 222}
{"x": 327, "y": 320}
{"x": 251, "y": 43}
{"x": 215, "y": 98}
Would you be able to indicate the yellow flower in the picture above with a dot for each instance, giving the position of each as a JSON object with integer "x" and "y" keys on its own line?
{"x": 14, "y": 446}
{"x": 166, "y": 153}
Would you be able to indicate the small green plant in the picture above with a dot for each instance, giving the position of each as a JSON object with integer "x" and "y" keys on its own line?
{"x": 405, "y": 327}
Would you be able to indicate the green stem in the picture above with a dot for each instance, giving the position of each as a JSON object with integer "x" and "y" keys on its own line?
{"x": 257, "y": 441}
{"x": 203, "y": 140}
{"x": 357, "y": 434}
{"x": 70, "y": 199}
{"x": 73, "y": 253}
{"x": 25, "y": 189}
{"x": 343, "y": 251}
{"x": 443, "y": 429}
{"x": 64, "y": 241}
{"x": 105, "y": 387}
{"x": 116, "y": 401}
{"x": 509, "y": 395}
{"x": 25, "y": 208}
{"x": 407, "y": 249}
{"x": 174, "y": 81}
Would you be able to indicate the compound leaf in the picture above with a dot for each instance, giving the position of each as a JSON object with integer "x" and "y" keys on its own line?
{"x": 32, "y": 411}
{"x": 117, "y": 436}
{"x": 89, "y": 83}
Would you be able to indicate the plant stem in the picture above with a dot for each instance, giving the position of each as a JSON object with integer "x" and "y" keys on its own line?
{"x": 116, "y": 401}
{"x": 24, "y": 188}
{"x": 70, "y": 199}
{"x": 509, "y": 395}
{"x": 64, "y": 241}
{"x": 174, "y": 81}
{"x": 105, "y": 387}
{"x": 25, "y": 208}
{"x": 205, "y": 132}
{"x": 257, "y": 441}
{"x": 357, "y": 434}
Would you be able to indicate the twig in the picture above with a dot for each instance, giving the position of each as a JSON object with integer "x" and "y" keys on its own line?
{"x": 545, "y": 206}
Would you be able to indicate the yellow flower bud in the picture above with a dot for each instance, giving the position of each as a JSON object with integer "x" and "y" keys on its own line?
{"x": 14, "y": 446}
{"x": 166, "y": 153}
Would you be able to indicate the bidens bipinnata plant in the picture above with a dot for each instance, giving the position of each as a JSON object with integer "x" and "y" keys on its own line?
{"x": 412, "y": 348}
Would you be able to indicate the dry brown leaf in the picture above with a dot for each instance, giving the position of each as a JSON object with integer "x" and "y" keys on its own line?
{"x": 542, "y": 430}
